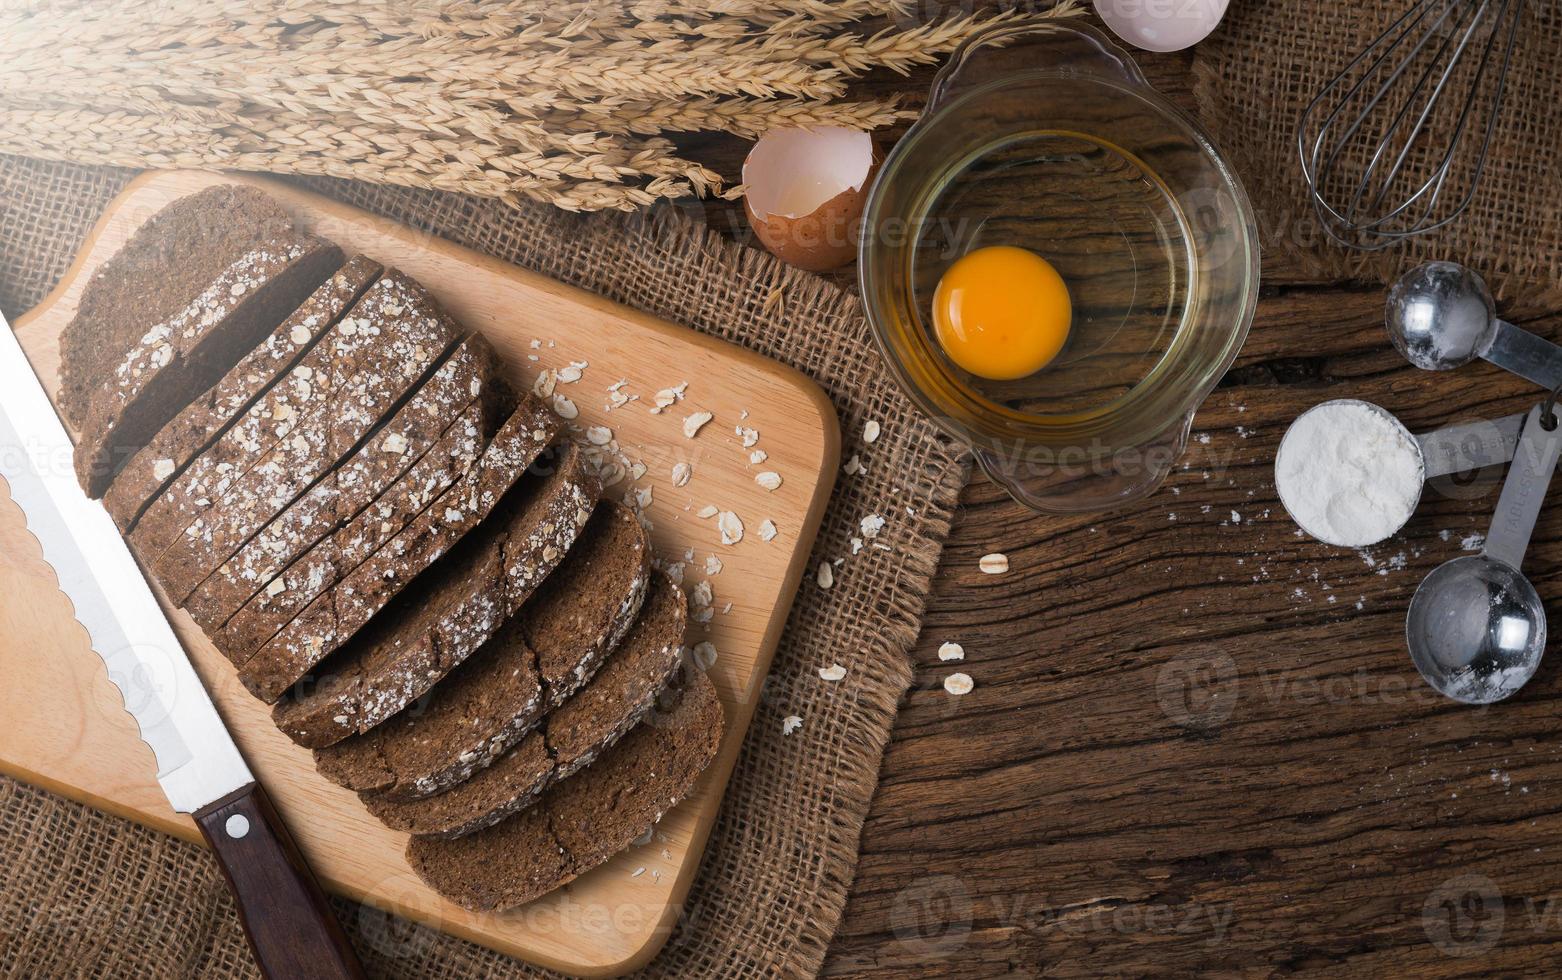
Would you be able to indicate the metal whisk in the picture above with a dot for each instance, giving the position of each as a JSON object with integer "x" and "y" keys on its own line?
{"x": 1388, "y": 146}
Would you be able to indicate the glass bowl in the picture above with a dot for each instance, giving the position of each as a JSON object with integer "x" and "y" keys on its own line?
{"x": 1049, "y": 138}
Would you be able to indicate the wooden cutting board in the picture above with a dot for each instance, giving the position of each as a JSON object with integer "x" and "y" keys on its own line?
{"x": 64, "y": 728}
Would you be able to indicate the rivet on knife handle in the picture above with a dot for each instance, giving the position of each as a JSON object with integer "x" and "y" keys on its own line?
{"x": 286, "y": 917}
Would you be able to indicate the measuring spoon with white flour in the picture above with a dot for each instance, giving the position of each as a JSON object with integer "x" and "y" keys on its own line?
{"x": 1349, "y": 473}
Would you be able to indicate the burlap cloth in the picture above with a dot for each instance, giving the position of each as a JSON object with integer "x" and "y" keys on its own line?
{"x": 86, "y": 895}
{"x": 1255, "y": 76}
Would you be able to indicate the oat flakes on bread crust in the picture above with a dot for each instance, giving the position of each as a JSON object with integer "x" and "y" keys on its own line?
{"x": 204, "y": 420}
{"x": 341, "y": 522}
{"x": 428, "y": 633}
{"x": 200, "y": 236}
{"x": 383, "y": 350}
{"x": 336, "y": 616}
{"x": 180, "y": 357}
{"x": 526, "y": 671}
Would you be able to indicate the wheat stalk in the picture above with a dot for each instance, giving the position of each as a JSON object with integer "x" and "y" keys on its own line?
{"x": 560, "y": 101}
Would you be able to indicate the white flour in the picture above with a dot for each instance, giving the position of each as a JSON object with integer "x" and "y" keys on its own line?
{"x": 1348, "y": 474}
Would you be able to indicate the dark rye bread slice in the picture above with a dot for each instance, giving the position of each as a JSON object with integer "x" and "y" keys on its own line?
{"x": 288, "y": 404}
{"x": 430, "y": 632}
{"x": 201, "y": 422}
{"x": 380, "y": 353}
{"x": 444, "y": 482}
{"x": 585, "y": 820}
{"x": 333, "y": 618}
{"x": 345, "y": 517}
{"x": 502, "y": 692}
{"x": 568, "y": 740}
{"x": 274, "y": 585}
{"x": 166, "y": 264}
{"x": 182, "y": 356}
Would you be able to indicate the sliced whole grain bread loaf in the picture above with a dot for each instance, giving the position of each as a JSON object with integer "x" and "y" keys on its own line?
{"x": 382, "y": 351}
{"x": 166, "y": 264}
{"x": 398, "y": 471}
{"x": 583, "y": 821}
{"x": 274, "y": 577}
{"x": 502, "y": 692}
{"x": 182, "y": 356}
{"x": 201, "y": 422}
{"x": 427, "y": 634}
{"x": 568, "y": 740}
{"x": 289, "y": 403}
{"x": 339, "y": 613}
{"x": 476, "y": 713}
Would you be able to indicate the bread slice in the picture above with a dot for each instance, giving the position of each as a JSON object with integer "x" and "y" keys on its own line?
{"x": 381, "y": 352}
{"x": 568, "y": 740}
{"x": 309, "y": 390}
{"x": 202, "y": 421}
{"x": 431, "y": 632}
{"x": 359, "y": 595}
{"x": 502, "y": 692}
{"x": 166, "y": 264}
{"x": 366, "y": 500}
{"x": 585, "y": 820}
{"x": 182, "y": 356}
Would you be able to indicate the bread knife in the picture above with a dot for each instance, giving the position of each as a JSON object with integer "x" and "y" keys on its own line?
{"x": 289, "y": 924}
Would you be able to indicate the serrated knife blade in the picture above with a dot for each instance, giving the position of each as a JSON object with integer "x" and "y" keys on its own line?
{"x": 286, "y": 917}
{"x": 197, "y": 762}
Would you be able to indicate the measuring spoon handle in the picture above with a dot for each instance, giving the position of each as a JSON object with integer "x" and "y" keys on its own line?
{"x": 1457, "y": 448}
{"x": 1532, "y": 358}
{"x": 1534, "y": 460}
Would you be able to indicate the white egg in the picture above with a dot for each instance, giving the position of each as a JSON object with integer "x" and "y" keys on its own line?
{"x": 1162, "y": 25}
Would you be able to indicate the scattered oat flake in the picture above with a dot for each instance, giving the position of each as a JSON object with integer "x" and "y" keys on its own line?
{"x": 748, "y": 435}
{"x": 834, "y": 672}
{"x": 706, "y": 512}
{"x": 790, "y": 724}
{"x": 769, "y": 479}
{"x": 870, "y": 432}
{"x": 826, "y": 575}
{"x": 767, "y": 530}
{"x": 681, "y": 474}
{"x": 712, "y": 565}
{"x": 951, "y": 651}
{"x": 757, "y": 456}
{"x": 637, "y": 872}
{"x": 599, "y": 435}
{"x": 853, "y": 466}
{"x": 959, "y": 684}
{"x": 565, "y": 407}
{"x": 731, "y": 527}
{"x": 994, "y": 564}
{"x": 693, "y": 423}
{"x": 871, "y": 525}
{"x": 704, "y": 654}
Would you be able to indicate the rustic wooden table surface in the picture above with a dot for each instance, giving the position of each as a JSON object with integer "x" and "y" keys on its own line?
{"x": 1196, "y": 741}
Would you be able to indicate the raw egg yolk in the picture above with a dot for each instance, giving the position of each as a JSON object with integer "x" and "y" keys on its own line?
{"x": 1002, "y": 312}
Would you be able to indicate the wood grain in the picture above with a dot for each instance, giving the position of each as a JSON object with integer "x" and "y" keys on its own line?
{"x": 1197, "y": 746}
{"x": 1197, "y": 743}
{"x": 67, "y": 732}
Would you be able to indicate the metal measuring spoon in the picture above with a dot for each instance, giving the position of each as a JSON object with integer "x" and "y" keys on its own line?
{"x": 1441, "y": 316}
{"x": 1476, "y": 628}
{"x": 1441, "y": 452}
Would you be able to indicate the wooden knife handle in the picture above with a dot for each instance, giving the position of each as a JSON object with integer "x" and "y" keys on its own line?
{"x": 289, "y": 924}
